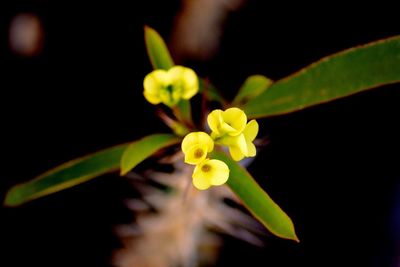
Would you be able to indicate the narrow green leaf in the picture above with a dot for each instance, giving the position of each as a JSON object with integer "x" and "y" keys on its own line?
{"x": 157, "y": 50}
{"x": 66, "y": 175}
{"x": 257, "y": 200}
{"x": 252, "y": 87}
{"x": 139, "y": 150}
{"x": 333, "y": 77}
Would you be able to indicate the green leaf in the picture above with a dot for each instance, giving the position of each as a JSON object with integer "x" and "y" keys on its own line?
{"x": 333, "y": 77}
{"x": 139, "y": 150}
{"x": 252, "y": 87}
{"x": 66, "y": 175}
{"x": 157, "y": 50}
{"x": 257, "y": 200}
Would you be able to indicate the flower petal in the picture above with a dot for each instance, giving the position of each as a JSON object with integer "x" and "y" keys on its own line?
{"x": 185, "y": 79}
{"x": 155, "y": 80}
{"x": 196, "y": 138}
{"x": 190, "y": 83}
{"x": 201, "y": 180}
{"x": 153, "y": 83}
{"x": 227, "y": 128}
{"x": 200, "y": 183}
{"x": 219, "y": 172}
{"x": 251, "y": 149}
{"x": 235, "y": 118}
{"x": 236, "y": 153}
{"x": 251, "y": 130}
{"x": 152, "y": 98}
{"x": 214, "y": 120}
{"x": 240, "y": 143}
{"x": 188, "y": 141}
{"x": 205, "y": 139}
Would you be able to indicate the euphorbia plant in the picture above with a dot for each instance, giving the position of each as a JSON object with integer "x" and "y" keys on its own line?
{"x": 214, "y": 148}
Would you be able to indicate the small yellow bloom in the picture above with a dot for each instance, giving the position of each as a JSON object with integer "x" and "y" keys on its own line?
{"x": 196, "y": 146}
{"x": 169, "y": 87}
{"x": 210, "y": 172}
{"x": 242, "y": 145}
{"x": 231, "y": 122}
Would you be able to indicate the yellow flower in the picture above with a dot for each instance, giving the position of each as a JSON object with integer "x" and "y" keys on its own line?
{"x": 231, "y": 122}
{"x": 169, "y": 87}
{"x": 242, "y": 145}
{"x": 210, "y": 172}
{"x": 195, "y": 146}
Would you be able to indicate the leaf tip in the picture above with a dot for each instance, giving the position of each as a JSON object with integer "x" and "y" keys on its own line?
{"x": 289, "y": 235}
{"x": 147, "y": 28}
{"x": 12, "y": 199}
{"x": 292, "y": 234}
{"x": 295, "y": 238}
{"x": 148, "y": 31}
{"x": 123, "y": 172}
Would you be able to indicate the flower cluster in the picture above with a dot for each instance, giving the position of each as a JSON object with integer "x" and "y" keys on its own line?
{"x": 229, "y": 128}
{"x": 207, "y": 172}
{"x": 170, "y": 86}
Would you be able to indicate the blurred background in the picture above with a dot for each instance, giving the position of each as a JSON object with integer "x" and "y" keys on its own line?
{"x": 71, "y": 83}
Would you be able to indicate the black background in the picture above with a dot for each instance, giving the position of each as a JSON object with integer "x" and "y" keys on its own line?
{"x": 333, "y": 168}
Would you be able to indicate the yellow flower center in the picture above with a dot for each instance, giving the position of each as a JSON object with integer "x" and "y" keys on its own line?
{"x": 198, "y": 153}
{"x": 206, "y": 168}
